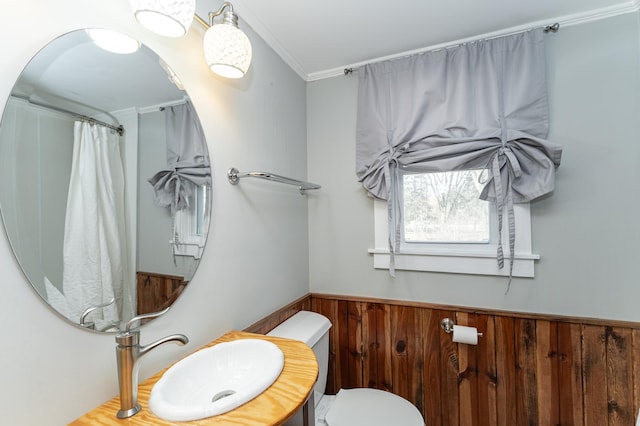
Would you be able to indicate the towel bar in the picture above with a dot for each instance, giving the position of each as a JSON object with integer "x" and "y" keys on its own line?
{"x": 234, "y": 177}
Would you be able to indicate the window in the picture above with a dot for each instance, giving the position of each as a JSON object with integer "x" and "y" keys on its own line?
{"x": 444, "y": 208}
{"x": 445, "y": 227}
{"x": 191, "y": 224}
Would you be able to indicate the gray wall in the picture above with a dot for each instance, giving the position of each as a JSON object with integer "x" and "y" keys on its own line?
{"x": 586, "y": 233}
{"x": 35, "y": 167}
{"x": 255, "y": 262}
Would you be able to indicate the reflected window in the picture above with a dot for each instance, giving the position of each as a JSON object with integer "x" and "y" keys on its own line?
{"x": 191, "y": 224}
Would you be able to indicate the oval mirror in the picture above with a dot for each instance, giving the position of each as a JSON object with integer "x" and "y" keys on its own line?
{"x": 104, "y": 181}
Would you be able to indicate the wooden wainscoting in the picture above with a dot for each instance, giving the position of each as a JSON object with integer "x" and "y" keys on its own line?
{"x": 526, "y": 370}
{"x": 267, "y": 324}
{"x": 156, "y": 292}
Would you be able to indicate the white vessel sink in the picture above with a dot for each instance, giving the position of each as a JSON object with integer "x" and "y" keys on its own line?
{"x": 215, "y": 380}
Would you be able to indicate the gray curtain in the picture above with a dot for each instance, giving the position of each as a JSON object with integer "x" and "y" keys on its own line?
{"x": 477, "y": 105}
{"x": 187, "y": 159}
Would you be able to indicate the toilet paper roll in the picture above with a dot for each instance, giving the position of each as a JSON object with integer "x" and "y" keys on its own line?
{"x": 467, "y": 335}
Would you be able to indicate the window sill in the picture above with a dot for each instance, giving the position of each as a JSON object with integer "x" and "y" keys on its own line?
{"x": 189, "y": 249}
{"x": 457, "y": 261}
{"x": 458, "y": 258}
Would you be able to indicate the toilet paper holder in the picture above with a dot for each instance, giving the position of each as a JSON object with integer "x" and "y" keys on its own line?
{"x": 447, "y": 325}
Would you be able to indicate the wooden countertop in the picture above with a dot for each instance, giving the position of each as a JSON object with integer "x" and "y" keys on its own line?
{"x": 273, "y": 407}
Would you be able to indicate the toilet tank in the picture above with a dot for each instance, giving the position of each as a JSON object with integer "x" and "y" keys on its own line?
{"x": 312, "y": 329}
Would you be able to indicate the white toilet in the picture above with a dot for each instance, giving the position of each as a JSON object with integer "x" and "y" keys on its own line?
{"x": 350, "y": 407}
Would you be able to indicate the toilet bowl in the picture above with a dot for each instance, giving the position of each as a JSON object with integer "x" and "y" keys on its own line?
{"x": 350, "y": 407}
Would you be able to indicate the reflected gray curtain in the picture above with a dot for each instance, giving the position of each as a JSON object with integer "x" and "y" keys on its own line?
{"x": 477, "y": 105}
{"x": 187, "y": 159}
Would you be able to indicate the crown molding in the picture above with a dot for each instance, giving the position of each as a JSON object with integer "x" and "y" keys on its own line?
{"x": 250, "y": 18}
{"x": 630, "y": 6}
{"x": 564, "y": 21}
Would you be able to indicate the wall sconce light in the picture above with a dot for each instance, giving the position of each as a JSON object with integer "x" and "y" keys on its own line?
{"x": 171, "y": 18}
{"x": 227, "y": 49}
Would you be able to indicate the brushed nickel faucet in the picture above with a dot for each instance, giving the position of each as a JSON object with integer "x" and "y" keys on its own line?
{"x": 129, "y": 352}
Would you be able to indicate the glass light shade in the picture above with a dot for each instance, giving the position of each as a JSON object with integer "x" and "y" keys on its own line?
{"x": 227, "y": 50}
{"x": 171, "y": 18}
{"x": 113, "y": 41}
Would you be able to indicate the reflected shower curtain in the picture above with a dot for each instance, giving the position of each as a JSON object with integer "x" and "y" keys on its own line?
{"x": 95, "y": 258}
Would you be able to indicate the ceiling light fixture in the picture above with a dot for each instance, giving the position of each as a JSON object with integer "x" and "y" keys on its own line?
{"x": 227, "y": 49}
{"x": 112, "y": 41}
{"x": 171, "y": 18}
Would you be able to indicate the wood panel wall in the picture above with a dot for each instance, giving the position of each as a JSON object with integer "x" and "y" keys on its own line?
{"x": 156, "y": 292}
{"x": 267, "y": 324}
{"x": 525, "y": 370}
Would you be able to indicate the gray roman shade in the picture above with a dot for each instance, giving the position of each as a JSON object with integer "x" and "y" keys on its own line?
{"x": 187, "y": 159}
{"x": 477, "y": 105}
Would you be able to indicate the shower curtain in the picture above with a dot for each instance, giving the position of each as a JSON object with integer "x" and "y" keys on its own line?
{"x": 94, "y": 252}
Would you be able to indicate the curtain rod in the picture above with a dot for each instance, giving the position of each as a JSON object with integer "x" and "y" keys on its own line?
{"x": 547, "y": 29}
{"x": 163, "y": 107}
{"x": 158, "y": 106}
{"x": 117, "y": 128}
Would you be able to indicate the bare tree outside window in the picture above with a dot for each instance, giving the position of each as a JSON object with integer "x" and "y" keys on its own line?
{"x": 445, "y": 208}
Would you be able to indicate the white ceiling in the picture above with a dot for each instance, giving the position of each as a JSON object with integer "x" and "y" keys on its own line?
{"x": 319, "y": 39}
{"x": 73, "y": 73}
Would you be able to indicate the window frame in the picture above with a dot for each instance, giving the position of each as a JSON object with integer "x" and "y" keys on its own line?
{"x": 188, "y": 242}
{"x": 460, "y": 258}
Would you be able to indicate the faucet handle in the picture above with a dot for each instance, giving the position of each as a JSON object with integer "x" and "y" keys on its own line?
{"x": 90, "y": 309}
{"x": 144, "y": 316}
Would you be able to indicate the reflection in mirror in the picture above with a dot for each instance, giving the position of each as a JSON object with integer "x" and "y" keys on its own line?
{"x": 106, "y": 224}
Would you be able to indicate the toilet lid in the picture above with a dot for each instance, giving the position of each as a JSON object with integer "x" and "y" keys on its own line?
{"x": 372, "y": 407}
